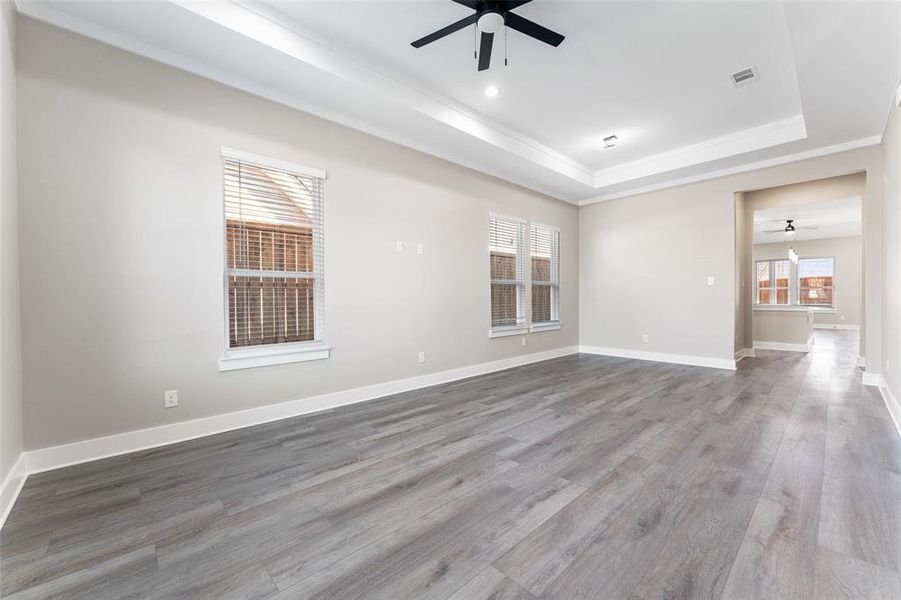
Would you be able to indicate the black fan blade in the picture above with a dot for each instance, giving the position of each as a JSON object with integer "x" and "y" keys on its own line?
{"x": 446, "y": 31}
{"x": 511, "y": 4}
{"x": 485, "y": 51}
{"x": 473, "y": 4}
{"x": 533, "y": 29}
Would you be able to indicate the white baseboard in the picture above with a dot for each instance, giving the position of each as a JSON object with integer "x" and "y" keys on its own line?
{"x": 841, "y": 327}
{"x": 10, "y": 488}
{"x": 873, "y": 379}
{"x": 744, "y": 353}
{"x": 46, "y": 459}
{"x": 679, "y": 359}
{"x": 784, "y": 346}
{"x": 891, "y": 402}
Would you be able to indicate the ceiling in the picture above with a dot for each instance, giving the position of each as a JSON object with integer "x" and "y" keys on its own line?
{"x": 655, "y": 74}
{"x": 833, "y": 218}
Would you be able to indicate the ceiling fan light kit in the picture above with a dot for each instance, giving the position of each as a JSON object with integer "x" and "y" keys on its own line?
{"x": 489, "y": 18}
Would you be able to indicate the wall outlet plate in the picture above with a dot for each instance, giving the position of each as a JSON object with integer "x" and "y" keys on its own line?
{"x": 170, "y": 399}
{"x": 421, "y": 357}
{"x": 645, "y": 338}
{"x": 523, "y": 340}
{"x": 399, "y": 246}
{"x": 419, "y": 249}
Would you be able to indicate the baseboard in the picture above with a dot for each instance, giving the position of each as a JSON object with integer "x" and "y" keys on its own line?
{"x": 841, "y": 327}
{"x": 891, "y": 402}
{"x": 679, "y": 359}
{"x": 46, "y": 459}
{"x": 744, "y": 353}
{"x": 11, "y": 486}
{"x": 784, "y": 346}
{"x": 872, "y": 379}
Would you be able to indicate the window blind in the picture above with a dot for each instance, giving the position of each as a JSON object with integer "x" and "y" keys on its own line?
{"x": 545, "y": 246}
{"x": 274, "y": 255}
{"x": 506, "y": 243}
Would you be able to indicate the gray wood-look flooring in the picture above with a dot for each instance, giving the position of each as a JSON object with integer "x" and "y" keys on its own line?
{"x": 580, "y": 477}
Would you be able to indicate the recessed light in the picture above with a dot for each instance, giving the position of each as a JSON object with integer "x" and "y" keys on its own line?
{"x": 492, "y": 90}
{"x": 610, "y": 141}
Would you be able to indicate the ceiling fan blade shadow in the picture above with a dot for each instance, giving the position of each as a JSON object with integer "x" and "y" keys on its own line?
{"x": 445, "y": 31}
{"x": 775, "y": 231}
{"x": 485, "y": 51}
{"x": 533, "y": 29}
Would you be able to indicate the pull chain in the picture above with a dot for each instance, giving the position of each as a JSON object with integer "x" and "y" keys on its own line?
{"x": 475, "y": 35}
{"x": 505, "y": 44}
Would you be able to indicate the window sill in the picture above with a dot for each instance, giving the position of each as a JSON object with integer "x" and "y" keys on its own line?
{"x": 539, "y": 327}
{"x": 266, "y": 356}
{"x": 796, "y": 308}
{"x": 507, "y": 331}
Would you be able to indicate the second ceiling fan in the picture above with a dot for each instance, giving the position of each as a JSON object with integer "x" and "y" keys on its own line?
{"x": 490, "y": 16}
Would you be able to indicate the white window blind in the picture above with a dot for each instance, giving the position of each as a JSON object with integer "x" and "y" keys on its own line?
{"x": 506, "y": 244}
{"x": 274, "y": 255}
{"x": 545, "y": 243}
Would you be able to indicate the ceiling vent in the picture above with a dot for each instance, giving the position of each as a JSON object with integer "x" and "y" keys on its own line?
{"x": 745, "y": 76}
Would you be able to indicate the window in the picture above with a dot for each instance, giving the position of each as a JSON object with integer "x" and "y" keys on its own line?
{"x": 274, "y": 281}
{"x": 545, "y": 243}
{"x": 815, "y": 281}
{"x": 506, "y": 246}
{"x": 773, "y": 277}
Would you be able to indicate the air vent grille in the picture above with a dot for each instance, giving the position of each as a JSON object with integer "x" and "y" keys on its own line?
{"x": 745, "y": 76}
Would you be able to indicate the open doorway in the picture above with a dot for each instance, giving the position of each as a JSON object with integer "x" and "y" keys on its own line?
{"x": 799, "y": 262}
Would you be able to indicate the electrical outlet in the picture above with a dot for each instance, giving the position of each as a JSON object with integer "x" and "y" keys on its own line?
{"x": 399, "y": 246}
{"x": 419, "y": 249}
{"x": 711, "y": 280}
{"x": 170, "y": 399}
{"x": 841, "y": 317}
{"x": 523, "y": 340}
{"x": 421, "y": 357}
{"x": 644, "y": 338}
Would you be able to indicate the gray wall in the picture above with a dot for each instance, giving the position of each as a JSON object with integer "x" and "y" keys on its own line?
{"x": 121, "y": 233}
{"x": 847, "y": 253}
{"x": 645, "y": 260}
{"x": 10, "y": 358}
{"x": 892, "y": 230}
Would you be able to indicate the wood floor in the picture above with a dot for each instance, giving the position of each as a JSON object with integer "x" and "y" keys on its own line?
{"x": 580, "y": 477}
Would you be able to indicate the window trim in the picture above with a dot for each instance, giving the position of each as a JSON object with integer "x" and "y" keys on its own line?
{"x": 794, "y": 288}
{"x": 517, "y": 329}
{"x": 772, "y": 271}
{"x": 539, "y": 326}
{"x": 246, "y": 357}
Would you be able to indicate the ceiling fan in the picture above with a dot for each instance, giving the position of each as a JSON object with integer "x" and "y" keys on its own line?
{"x": 489, "y": 17}
{"x": 789, "y": 228}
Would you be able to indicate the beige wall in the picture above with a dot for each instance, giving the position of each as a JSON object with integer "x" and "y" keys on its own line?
{"x": 783, "y": 327}
{"x": 666, "y": 243}
{"x": 10, "y": 359}
{"x": 121, "y": 233}
{"x": 744, "y": 238}
{"x": 847, "y": 254}
{"x": 892, "y": 229}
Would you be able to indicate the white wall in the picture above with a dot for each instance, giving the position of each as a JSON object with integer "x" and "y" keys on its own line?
{"x": 646, "y": 258}
{"x": 847, "y": 254}
{"x": 892, "y": 230}
{"x": 121, "y": 234}
{"x": 10, "y": 358}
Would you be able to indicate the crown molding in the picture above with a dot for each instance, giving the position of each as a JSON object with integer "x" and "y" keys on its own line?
{"x": 754, "y": 166}
{"x": 739, "y": 142}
